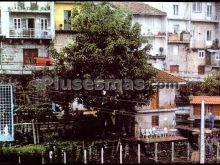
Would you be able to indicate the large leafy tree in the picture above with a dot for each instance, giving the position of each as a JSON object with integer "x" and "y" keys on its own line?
{"x": 106, "y": 46}
{"x": 211, "y": 85}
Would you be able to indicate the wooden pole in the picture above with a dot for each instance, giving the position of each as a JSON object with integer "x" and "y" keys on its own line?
{"x": 34, "y": 133}
{"x": 218, "y": 158}
{"x": 139, "y": 154}
{"x": 172, "y": 158}
{"x": 19, "y": 158}
{"x": 155, "y": 152}
{"x": 102, "y": 155}
{"x": 85, "y": 159}
{"x": 42, "y": 158}
{"x": 64, "y": 157}
{"x": 90, "y": 153}
{"x": 202, "y": 134}
{"x": 188, "y": 151}
{"x": 120, "y": 154}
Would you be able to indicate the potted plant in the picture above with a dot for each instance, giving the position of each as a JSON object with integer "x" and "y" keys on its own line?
{"x": 61, "y": 25}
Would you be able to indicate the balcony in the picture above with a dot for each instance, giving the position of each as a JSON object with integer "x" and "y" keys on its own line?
{"x": 30, "y": 7}
{"x": 204, "y": 17}
{"x": 183, "y": 38}
{"x": 30, "y": 33}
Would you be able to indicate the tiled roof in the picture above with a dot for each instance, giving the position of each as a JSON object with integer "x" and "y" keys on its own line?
{"x": 138, "y": 8}
{"x": 163, "y": 76}
{"x": 207, "y": 99}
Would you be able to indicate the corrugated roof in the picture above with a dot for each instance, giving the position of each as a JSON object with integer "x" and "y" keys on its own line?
{"x": 138, "y": 8}
{"x": 163, "y": 76}
{"x": 207, "y": 99}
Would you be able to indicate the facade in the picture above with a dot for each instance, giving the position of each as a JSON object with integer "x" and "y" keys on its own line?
{"x": 63, "y": 28}
{"x": 159, "y": 113}
{"x": 26, "y": 34}
{"x": 153, "y": 26}
{"x": 193, "y": 36}
{"x": 212, "y": 104}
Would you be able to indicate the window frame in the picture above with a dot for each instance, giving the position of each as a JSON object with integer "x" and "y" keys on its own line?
{"x": 199, "y": 69}
{"x": 17, "y": 23}
{"x": 201, "y": 52}
{"x": 155, "y": 120}
{"x": 43, "y": 24}
{"x": 209, "y": 36}
{"x": 217, "y": 56}
{"x": 198, "y": 5}
{"x": 177, "y": 66}
{"x": 174, "y": 28}
{"x": 175, "y": 9}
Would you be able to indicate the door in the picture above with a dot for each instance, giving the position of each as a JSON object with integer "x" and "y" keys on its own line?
{"x": 31, "y": 27}
{"x": 67, "y": 21}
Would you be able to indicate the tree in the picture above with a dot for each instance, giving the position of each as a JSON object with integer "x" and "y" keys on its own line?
{"x": 106, "y": 46}
{"x": 211, "y": 85}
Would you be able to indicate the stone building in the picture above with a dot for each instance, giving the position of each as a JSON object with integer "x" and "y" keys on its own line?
{"x": 27, "y": 29}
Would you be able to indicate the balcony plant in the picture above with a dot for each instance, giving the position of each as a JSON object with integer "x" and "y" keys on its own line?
{"x": 34, "y": 6}
{"x": 161, "y": 50}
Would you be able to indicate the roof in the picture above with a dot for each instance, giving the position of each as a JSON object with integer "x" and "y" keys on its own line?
{"x": 165, "y": 77}
{"x": 207, "y": 99}
{"x": 139, "y": 8}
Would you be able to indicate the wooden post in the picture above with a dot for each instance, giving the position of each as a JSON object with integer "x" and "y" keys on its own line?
{"x": 120, "y": 154}
{"x": 218, "y": 157}
{"x": 19, "y": 158}
{"x": 102, "y": 155}
{"x": 42, "y": 158}
{"x": 155, "y": 152}
{"x": 188, "y": 151}
{"x": 90, "y": 153}
{"x": 34, "y": 133}
{"x": 202, "y": 134}
{"x": 139, "y": 154}
{"x": 64, "y": 157}
{"x": 172, "y": 158}
{"x": 85, "y": 161}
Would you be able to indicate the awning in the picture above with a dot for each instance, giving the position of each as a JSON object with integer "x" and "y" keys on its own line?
{"x": 213, "y": 50}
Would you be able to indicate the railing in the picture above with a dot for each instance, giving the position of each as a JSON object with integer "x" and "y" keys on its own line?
{"x": 30, "y": 7}
{"x": 29, "y": 33}
{"x": 181, "y": 38}
{"x": 204, "y": 16}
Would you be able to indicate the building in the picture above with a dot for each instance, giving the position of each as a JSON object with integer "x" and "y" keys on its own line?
{"x": 193, "y": 38}
{"x": 153, "y": 26}
{"x": 27, "y": 29}
{"x": 63, "y": 28}
{"x": 158, "y": 113}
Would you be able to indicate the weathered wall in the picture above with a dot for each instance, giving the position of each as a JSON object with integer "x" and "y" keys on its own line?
{"x": 62, "y": 39}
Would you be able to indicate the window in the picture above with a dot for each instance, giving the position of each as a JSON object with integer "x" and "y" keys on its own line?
{"x": 29, "y": 55}
{"x": 174, "y": 68}
{"x": 209, "y": 35}
{"x": 197, "y": 6}
{"x": 17, "y": 23}
{"x": 67, "y": 20}
{"x": 217, "y": 56}
{"x": 176, "y": 28}
{"x": 175, "y": 50}
{"x": 155, "y": 121}
{"x": 175, "y": 9}
{"x": 43, "y": 24}
{"x": 201, "y": 54}
{"x": 209, "y": 10}
{"x": 201, "y": 69}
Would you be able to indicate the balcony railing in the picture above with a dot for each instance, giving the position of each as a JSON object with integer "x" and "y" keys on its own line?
{"x": 30, "y": 33}
{"x": 32, "y": 7}
{"x": 179, "y": 38}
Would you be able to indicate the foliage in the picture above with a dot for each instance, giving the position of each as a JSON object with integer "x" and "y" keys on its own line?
{"x": 27, "y": 149}
{"x": 211, "y": 85}
{"x": 185, "y": 91}
{"x": 106, "y": 46}
{"x": 37, "y": 111}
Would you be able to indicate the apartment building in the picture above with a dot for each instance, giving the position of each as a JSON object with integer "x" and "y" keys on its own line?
{"x": 153, "y": 26}
{"x": 26, "y": 32}
{"x": 63, "y": 29}
{"x": 193, "y": 36}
